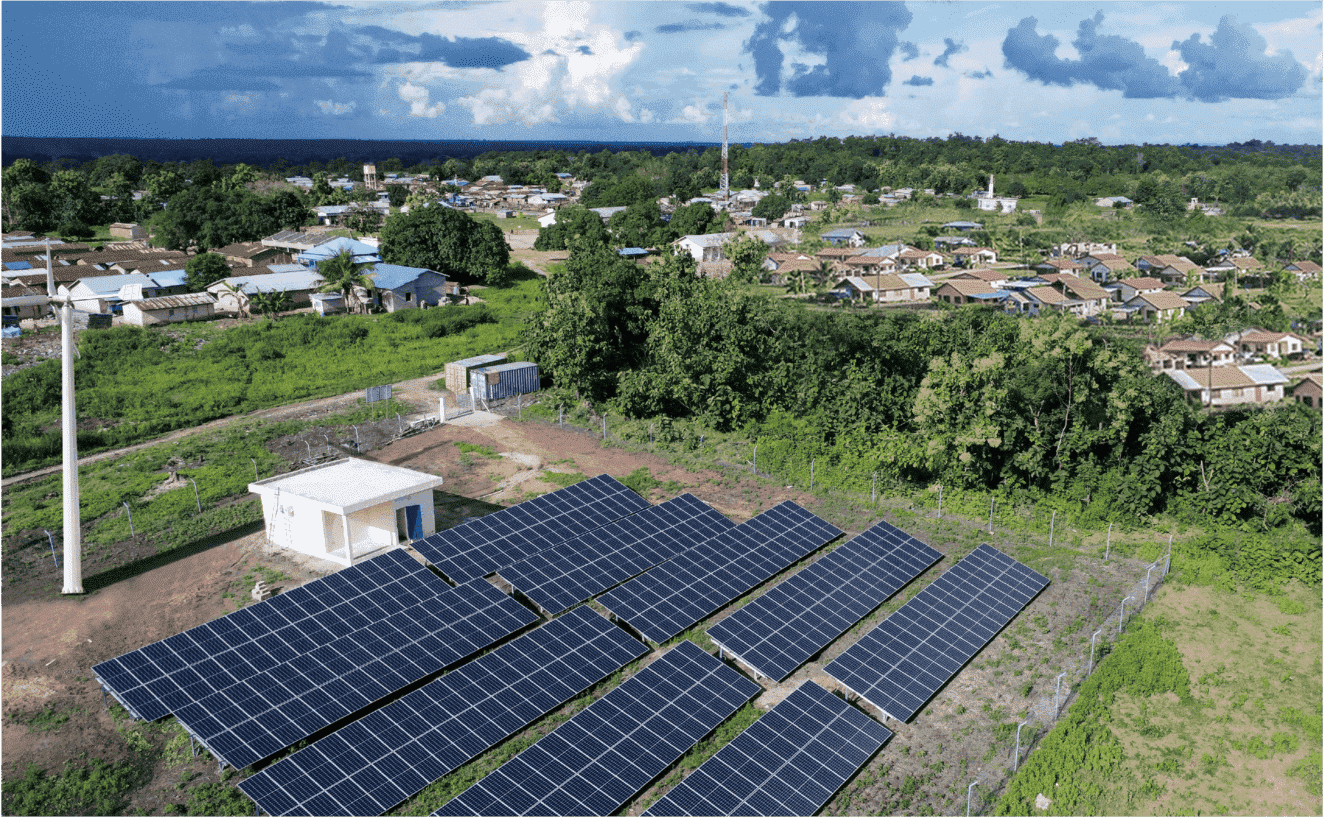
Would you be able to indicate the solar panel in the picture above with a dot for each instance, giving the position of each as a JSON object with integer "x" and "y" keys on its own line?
{"x": 562, "y": 576}
{"x": 159, "y": 678}
{"x": 904, "y": 661}
{"x": 260, "y": 716}
{"x": 480, "y": 546}
{"x": 393, "y": 753}
{"x": 604, "y": 755}
{"x": 666, "y": 600}
{"x": 790, "y": 761}
{"x": 783, "y": 628}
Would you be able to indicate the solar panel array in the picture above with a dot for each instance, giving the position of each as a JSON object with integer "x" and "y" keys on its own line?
{"x": 255, "y": 718}
{"x": 902, "y": 663}
{"x": 562, "y": 576}
{"x": 665, "y": 601}
{"x": 790, "y": 761}
{"x": 604, "y": 755}
{"x": 481, "y": 546}
{"x": 393, "y": 753}
{"x": 786, "y": 626}
{"x": 163, "y": 676}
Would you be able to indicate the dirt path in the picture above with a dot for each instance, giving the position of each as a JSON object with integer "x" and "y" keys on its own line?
{"x": 415, "y": 392}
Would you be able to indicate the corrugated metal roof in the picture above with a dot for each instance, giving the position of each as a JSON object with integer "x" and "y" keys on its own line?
{"x": 112, "y": 284}
{"x": 170, "y": 277}
{"x": 390, "y": 276}
{"x": 914, "y": 279}
{"x": 304, "y": 279}
{"x": 1263, "y": 375}
{"x": 175, "y": 301}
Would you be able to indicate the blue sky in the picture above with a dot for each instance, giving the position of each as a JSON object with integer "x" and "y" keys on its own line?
{"x": 1205, "y": 72}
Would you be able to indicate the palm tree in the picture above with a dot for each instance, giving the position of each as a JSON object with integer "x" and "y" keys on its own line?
{"x": 240, "y": 298}
{"x": 341, "y": 274}
{"x": 271, "y": 302}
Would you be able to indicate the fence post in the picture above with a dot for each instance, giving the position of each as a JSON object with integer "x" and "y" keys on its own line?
{"x": 130, "y": 513}
{"x": 650, "y": 436}
{"x": 310, "y": 450}
{"x": 1096, "y": 634}
{"x": 813, "y": 462}
{"x": 755, "y": 470}
{"x": 1108, "y": 545}
{"x": 519, "y": 405}
{"x": 1168, "y": 565}
{"x": 702, "y": 437}
{"x": 1122, "y": 616}
{"x": 991, "y": 500}
{"x": 1052, "y": 527}
{"x": 940, "y": 501}
{"x": 255, "y": 476}
{"x": 196, "y": 498}
{"x": 604, "y": 428}
{"x": 873, "y": 493}
{"x": 1057, "y": 708}
{"x": 967, "y": 797}
{"x": 1017, "y": 764}
{"x": 51, "y": 539}
{"x": 560, "y": 416}
{"x": 1148, "y": 570}
{"x": 442, "y": 410}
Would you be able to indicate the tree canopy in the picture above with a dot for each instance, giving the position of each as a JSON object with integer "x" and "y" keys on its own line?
{"x": 205, "y": 269}
{"x": 448, "y": 241}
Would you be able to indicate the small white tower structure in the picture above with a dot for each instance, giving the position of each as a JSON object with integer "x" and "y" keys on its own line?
{"x": 370, "y": 176}
{"x": 73, "y": 531}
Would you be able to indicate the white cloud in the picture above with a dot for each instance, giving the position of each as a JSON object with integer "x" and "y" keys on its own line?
{"x": 623, "y": 109}
{"x": 335, "y": 108}
{"x": 417, "y": 97}
{"x": 646, "y": 116}
{"x": 692, "y": 115}
{"x": 868, "y": 113}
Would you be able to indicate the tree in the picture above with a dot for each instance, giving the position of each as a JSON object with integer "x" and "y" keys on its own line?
{"x": 774, "y": 206}
{"x": 271, "y": 302}
{"x": 363, "y": 219}
{"x": 746, "y": 255}
{"x": 694, "y": 219}
{"x": 205, "y": 269}
{"x": 341, "y": 274}
{"x": 448, "y": 241}
{"x": 27, "y": 199}
{"x": 639, "y": 225}
{"x": 573, "y": 225}
{"x": 241, "y": 299}
{"x": 397, "y": 194}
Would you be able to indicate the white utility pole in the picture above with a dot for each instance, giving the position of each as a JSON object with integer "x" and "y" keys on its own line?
{"x": 73, "y": 531}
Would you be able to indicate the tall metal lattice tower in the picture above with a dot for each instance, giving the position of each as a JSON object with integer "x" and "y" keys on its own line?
{"x": 726, "y": 171}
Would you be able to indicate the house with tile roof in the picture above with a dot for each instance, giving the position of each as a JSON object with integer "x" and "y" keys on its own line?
{"x": 888, "y": 288}
{"x": 973, "y": 256}
{"x": 1128, "y": 288}
{"x": 1303, "y": 270}
{"x": 992, "y": 277}
{"x": 1093, "y": 298}
{"x": 1190, "y": 353}
{"x": 1229, "y": 386}
{"x": 1155, "y": 307}
{"x": 1203, "y": 293}
{"x": 1271, "y": 345}
{"x": 956, "y": 292}
{"x": 1310, "y": 391}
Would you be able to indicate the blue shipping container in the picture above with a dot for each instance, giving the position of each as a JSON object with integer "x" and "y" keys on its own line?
{"x": 506, "y": 380}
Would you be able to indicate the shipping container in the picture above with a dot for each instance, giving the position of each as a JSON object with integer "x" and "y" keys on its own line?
{"x": 506, "y": 380}
{"x": 457, "y": 372}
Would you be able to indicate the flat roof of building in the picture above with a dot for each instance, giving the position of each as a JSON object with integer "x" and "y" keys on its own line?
{"x": 349, "y": 485}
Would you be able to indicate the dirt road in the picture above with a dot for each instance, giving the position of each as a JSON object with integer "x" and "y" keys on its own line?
{"x": 414, "y": 392}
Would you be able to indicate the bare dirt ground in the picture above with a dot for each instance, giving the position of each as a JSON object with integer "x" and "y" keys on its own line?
{"x": 51, "y": 642}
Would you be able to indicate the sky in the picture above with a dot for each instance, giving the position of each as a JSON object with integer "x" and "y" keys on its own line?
{"x": 1123, "y": 72}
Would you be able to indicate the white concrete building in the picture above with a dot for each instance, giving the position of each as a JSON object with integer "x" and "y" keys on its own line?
{"x": 369, "y": 505}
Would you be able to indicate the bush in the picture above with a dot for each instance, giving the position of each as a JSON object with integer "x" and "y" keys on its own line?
{"x": 96, "y": 788}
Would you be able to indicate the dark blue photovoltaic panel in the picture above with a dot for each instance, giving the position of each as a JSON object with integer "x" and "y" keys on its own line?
{"x": 256, "y": 718}
{"x": 157, "y": 679}
{"x": 595, "y": 762}
{"x": 670, "y": 598}
{"x": 391, "y": 754}
{"x": 790, "y": 761}
{"x": 783, "y": 628}
{"x": 904, "y": 661}
{"x": 481, "y": 546}
{"x": 562, "y": 576}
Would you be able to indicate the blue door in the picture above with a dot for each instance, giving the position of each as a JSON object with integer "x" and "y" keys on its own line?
{"x": 414, "y": 521}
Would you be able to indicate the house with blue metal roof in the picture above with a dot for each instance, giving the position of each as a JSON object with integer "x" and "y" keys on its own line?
{"x": 360, "y": 252}
{"x": 847, "y": 235}
{"x": 107, "y": 293}
{"x": 300, "y": 286}
{"x": 395, "y": 287}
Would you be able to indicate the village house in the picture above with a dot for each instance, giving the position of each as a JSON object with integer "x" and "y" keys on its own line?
{"x": 1156, "y": 307}
{"x": 705, "y": 247}
{"x": 972, "y": 256}
{"x": 300, "y": 286}
{"x": 1128, "y": 288}
{"x": 360, "y": 252}
{"x": 1093, "y": 298}
{"x": 1203, "y": 293}
{"x": 1189, "y": 354}
{"x": 190, "y": 306}
{"x": 992, "y": 277}
{"x": 1303, "y": 270}
{"x": 253, "y": 253}
{"x": 1043, "y": 299}
{"x": 1155, "y": 264}
{"x": 910, "y": 259}
{"x": 968, "y": 291}
{"x": 846, "y": 235}
{"x": 1271, "y": 345}
{"x": 1226, "y": 386}
{"x": 107, "y": 293}
{"x": 887, "y": 288}
{"x": 397, "y": 287}
{"x": 19, "y": 301}
{"x": 1054, "y": 265}
{"x": 1105, "y": 267}
{"x": 1080, "y": 248}
{"x": 1310, "y": 391}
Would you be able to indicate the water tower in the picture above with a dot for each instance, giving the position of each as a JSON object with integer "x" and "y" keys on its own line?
{"x": 370, "y": 177}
